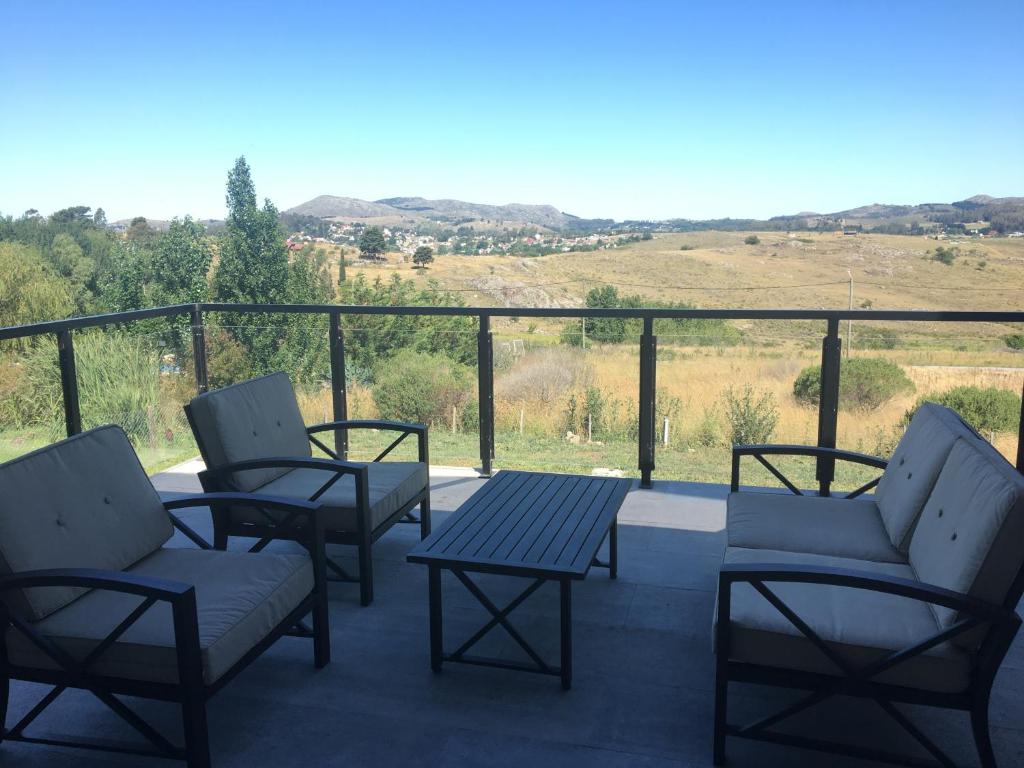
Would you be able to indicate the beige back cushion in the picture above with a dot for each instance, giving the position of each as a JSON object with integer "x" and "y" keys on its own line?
{"x": 913, "y": 470}
{"x": 256, "y": 419}
{"x": 970, "y": 537}
{"x": 84, "y": 502}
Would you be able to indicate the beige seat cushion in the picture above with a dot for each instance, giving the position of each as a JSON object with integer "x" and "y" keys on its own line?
{"x": 971, "y": 534}
{"x": 255, "y": 419}
{"x": 823, "y": 526}
{"x": 240, "y": 598}
{"x": 392, "y": 485}
{"x": 84, "y": 502}
{"x": 862, "y": 626}
{"x": 914, "y": 468}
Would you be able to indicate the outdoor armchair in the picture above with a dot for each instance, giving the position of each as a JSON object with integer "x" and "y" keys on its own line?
{"x": 94, "y": 595}
{"x": 253, "y": 439}
{"x": 908, "y": 596}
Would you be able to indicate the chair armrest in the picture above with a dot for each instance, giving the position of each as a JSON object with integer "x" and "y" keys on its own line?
{"x": 738, "y": 451}
{"x": 406, "y": 428}
{"x": 94, "y": 578}
{"x": 299, "y": 507}
{"x": 328, "y": 465}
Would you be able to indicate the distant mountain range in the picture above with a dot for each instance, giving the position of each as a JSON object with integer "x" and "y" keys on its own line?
{"x": 447, "y": 211}
{"x": 417, "y": 210}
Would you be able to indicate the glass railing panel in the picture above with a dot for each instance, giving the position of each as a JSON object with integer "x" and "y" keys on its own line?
{"x": 31, "y": 405}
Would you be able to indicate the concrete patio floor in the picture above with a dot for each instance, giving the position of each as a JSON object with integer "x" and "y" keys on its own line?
{"x": 642, "y": 692}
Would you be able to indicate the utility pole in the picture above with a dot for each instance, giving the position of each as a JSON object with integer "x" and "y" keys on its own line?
{"x": 849, "y": 323}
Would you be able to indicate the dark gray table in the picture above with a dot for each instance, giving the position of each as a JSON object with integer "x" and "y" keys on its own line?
{"x": 543, "y": 526}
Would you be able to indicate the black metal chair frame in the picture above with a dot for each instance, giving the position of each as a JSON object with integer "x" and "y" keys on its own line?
{"x": 997, "y": 625}
{"x": 190, "y": 692}
{"x": 215, "y": 479}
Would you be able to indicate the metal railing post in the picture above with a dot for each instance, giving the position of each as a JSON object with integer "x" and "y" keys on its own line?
{"x": 828, "y": 404}
{"x": 339, "y": 391}
{"x": 69, "y": 382}
{"x": 648, "y": 388}
{"x": 485, "y": 393}
{"x": 199, "y": 349}
{"x": 1020, "y": 435}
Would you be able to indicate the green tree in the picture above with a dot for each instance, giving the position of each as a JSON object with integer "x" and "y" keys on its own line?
{"x": 424, "y": 255}
{"x": 372, "y": 244}
{"x": 253, "y": 266}
{"x": 29, "y": 290}
{"x": 72, "y": 263}
{"x": 303, "y": 350}
{"x": 751, "y": 240}
{"x": 181, "y": 264}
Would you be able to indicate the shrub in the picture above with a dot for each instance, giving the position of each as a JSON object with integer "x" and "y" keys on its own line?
{"x": 987, "y": 409}
{"x": 864, "y": 383}
{"x": 1014, "y": 340}
{"x": 545, "y": 376}
{"x": 875, "y": 338}
{"x": 751, "y": 240}
{"x": 709, "y": 430}
{"x": 416, "y": 386}
{"x": 752, "y": 416}
{"x": 946, "y": 255}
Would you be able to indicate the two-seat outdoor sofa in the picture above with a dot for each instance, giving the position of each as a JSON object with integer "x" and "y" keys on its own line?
{"x": 95, "y": 595}
{"x": 252, "y": 438}
{"x": 907, "y": 596}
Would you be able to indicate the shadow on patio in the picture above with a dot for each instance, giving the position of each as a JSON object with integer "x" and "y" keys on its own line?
{"x": 643, "y": 669}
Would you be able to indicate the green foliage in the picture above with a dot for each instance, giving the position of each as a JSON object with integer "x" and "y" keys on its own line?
{"x": 709, "y": 429}
{"x": 304, "y": 352}
{"x": 586, "y": 410}
{"x": 424, "y": 255}
{"x": 29, "y": 290}
{"x": 372, "y": 244}
{"x": 253, "y": 266}
{"x": 875, "y": 338}
{"x": 752, "y": 416}
{"x": 420, "y": 387}
{"x": 118, "y": 382}
{"x": 946, "y": 254}
{"x": 1014, "y": 340}
{"x": 614, "y": 330}
{"x": 987, "y": 409}
{"x": 864, "y": 383}
{"x": 370, "y": 339}
{"x": 751, "y": 240}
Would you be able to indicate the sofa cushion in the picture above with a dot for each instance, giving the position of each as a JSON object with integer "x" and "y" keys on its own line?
{"x": 913, "y": 469}
{"x": 823, "y": 526}
{"x": 240, "y": 598}
{"x": 84, "y": 502}
{"x": 256, "y": 419}
{"x": 860, "y": 625}
{"x": 969, "y": 538}
{"x": 392, "y": 485}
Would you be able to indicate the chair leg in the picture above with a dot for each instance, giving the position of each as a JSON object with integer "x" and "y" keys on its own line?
{"x": 220, "y": 539}
{"x": 425, "y": 518}
{"x": 321, "y": 631}
{"x": 197, "y": 740}
{"x": 365, "y": 573}
{"x": 982, "y": 736}
{"x": 721, "y": 715}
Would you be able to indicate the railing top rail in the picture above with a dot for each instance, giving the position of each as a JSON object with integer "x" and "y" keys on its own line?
{"x": 114, "y": 318}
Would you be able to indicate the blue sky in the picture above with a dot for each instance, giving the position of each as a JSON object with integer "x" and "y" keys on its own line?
{"x": 625, "y": 110}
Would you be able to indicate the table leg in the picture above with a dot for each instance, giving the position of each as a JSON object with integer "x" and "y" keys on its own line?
{"x": 566, "y": 595}
{"x": 613, "y": 550}
{"x": 436, "y": 621}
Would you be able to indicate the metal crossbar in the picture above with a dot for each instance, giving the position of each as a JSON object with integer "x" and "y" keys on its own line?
{"x": 778, "y": 475}
{"x": 500, "y": 616}
{"x": 760, "y": 728}
{"x": 77, "y": 672}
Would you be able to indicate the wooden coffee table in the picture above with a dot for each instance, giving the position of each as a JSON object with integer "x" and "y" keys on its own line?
{"x": 543, "y": 526}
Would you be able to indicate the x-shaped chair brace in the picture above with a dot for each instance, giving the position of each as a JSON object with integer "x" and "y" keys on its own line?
{"x": 854, "y": 675}
{"x": 77, "y": 672}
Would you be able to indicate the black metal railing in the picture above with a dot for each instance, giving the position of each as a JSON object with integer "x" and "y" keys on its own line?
{"x": 831, "y": 356}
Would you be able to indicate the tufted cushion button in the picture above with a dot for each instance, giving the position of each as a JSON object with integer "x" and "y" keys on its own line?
{"x": 902, "y": 459}
{"x": 254, "y": 433}
{"x": 60, "y": 523}
{"x": 106, "y": 499}
{"x": 940, "y": 513}
{"x": 953, "y": 537}
{"x": 909, "y": 475}
{"x": 279, "y": 422}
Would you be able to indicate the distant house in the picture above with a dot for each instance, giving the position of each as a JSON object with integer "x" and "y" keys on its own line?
{"x": 849, "y": 231}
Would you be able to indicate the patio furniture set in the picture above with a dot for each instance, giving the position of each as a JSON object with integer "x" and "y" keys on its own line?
{"x": 905, "y": 596}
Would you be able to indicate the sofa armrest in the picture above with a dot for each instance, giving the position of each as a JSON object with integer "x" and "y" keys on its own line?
{"x": 760, "y": 451}
{"x": 306, "y": 509}
{"x": 1002, "y": 622}
{"x": 406, "y": 429}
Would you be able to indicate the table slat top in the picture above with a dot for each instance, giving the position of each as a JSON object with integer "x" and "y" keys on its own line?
{"x": 528, "y": 522}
